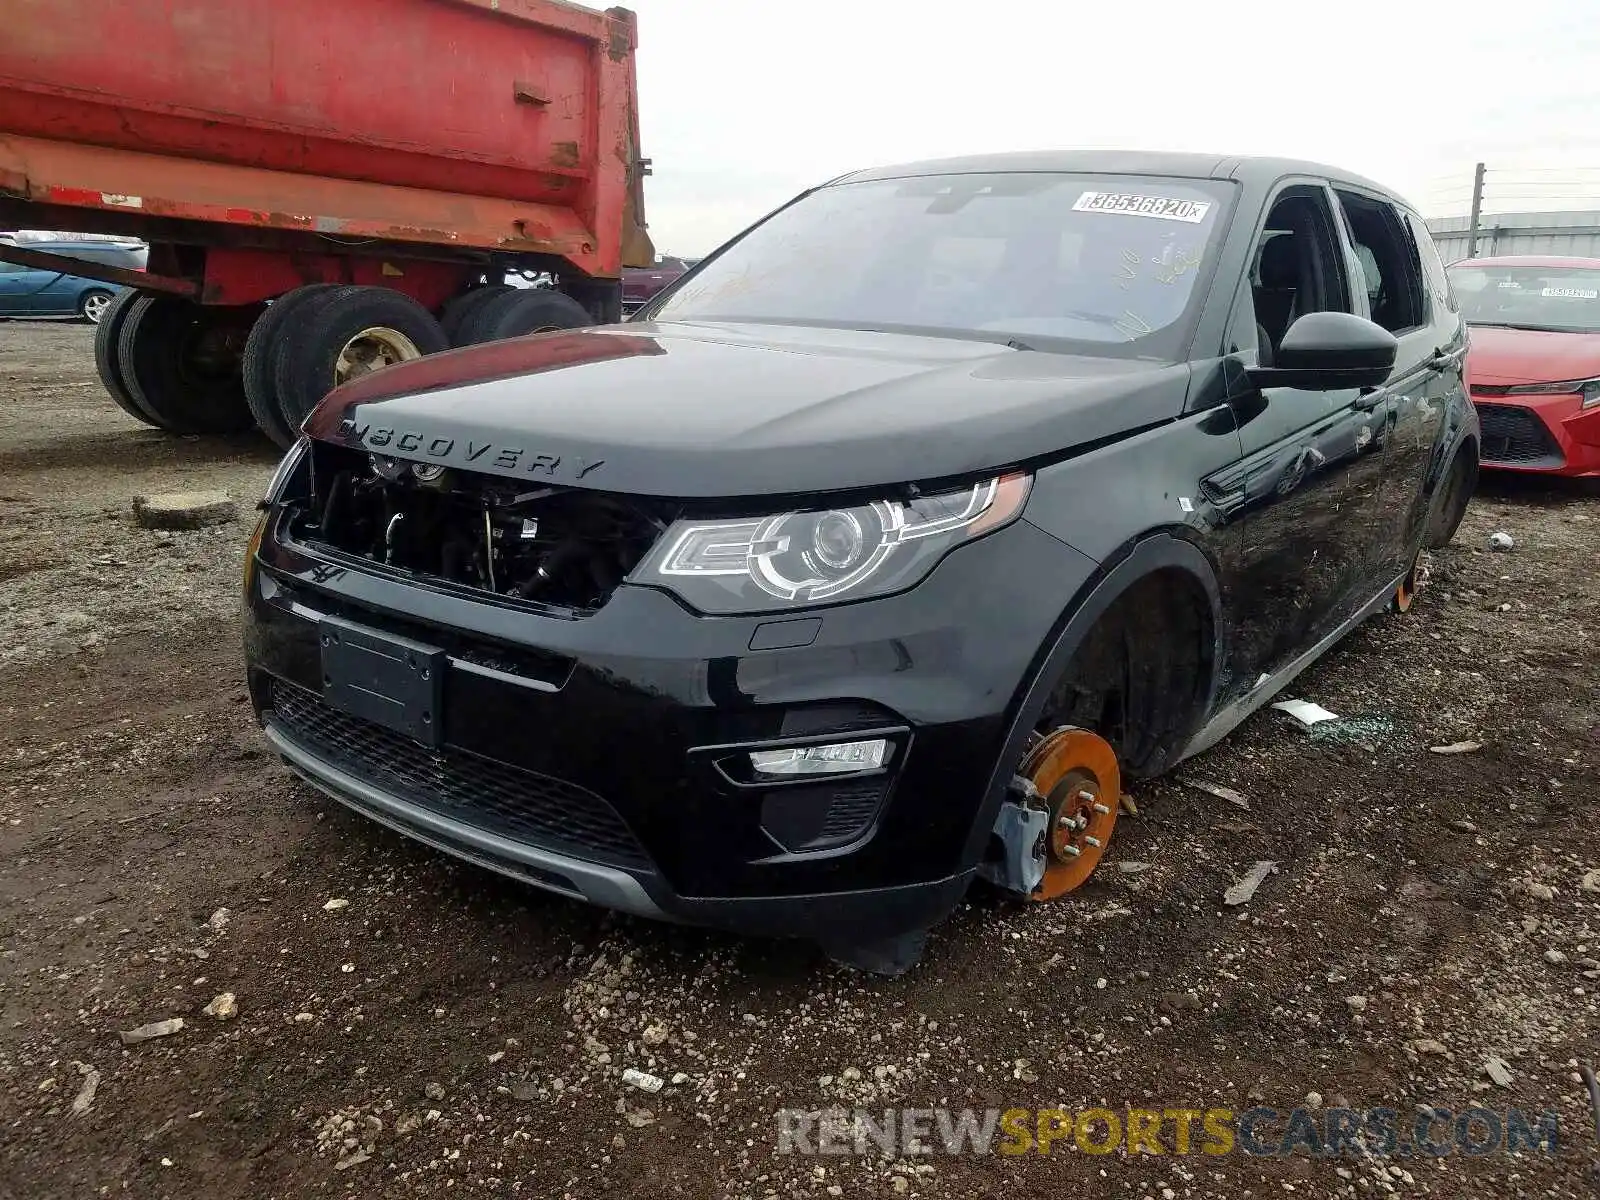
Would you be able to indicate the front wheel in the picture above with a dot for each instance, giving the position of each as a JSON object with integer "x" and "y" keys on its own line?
{"x": 92, "y": 305}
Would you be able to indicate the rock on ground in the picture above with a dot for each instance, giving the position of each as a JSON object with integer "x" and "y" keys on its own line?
{"x": 184, "y": 510}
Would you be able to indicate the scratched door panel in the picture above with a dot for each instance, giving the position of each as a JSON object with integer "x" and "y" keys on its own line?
{"x": 1301, "y": 534}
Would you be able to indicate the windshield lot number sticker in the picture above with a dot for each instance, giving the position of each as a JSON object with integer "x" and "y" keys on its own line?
{"x": 1571, "y": 293}
{"x": 1163, "y": 207}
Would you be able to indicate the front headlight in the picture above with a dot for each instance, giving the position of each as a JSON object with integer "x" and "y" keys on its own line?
{"x": 1589, "y": 389}
{"x": 288, "y": 471}
{"x": 813, "y": 557}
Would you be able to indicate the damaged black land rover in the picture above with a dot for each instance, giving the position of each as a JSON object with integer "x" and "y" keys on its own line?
{"x": 875, "y": 554}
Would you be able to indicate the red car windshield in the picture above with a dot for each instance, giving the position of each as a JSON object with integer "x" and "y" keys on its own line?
{"x": 1094, "y": 264}
{"x": 1558, "y": 299}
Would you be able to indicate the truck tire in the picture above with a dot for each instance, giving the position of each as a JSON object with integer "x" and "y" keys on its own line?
{"x": 260, "y": 387}
{"x": 459, "y": 308}
{"x": 180, "y": 362}
{"x": 342, "y": 335}
{"x": 523, "y": 311}
{"x": 106, "y": 362}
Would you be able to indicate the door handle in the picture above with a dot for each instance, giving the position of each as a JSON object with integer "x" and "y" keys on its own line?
{"x": 1368, "y": 400}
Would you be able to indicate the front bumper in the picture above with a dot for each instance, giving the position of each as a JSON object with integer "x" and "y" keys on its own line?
{"x": 1545, "y": 434}
{"x": 598, "y": 757}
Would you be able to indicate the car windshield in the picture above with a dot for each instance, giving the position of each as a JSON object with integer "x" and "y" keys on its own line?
{"x": 1094, "y": 264}
{"x": 1561, "y": 299}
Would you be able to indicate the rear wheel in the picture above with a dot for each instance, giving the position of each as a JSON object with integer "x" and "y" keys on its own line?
{"x": 92, "y": 305}
{"x": 260, "y": 388}
{"x": 1405, "y": 595}
{"x": 345, "y": 334}
{"x": 106, "y": 362}
{"x": 522, "y": 311}
{"x": 460, "y": 309}
{"x": 1450, "y": 505}
{"x": 180, "y": 363}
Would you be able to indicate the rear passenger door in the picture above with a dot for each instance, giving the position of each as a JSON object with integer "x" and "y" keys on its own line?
{"x": 1413, "y": 403}
{"x": 1447, "y": 390}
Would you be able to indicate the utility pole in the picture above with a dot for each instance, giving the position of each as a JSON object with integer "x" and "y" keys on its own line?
{"x": 1477, "y": 211}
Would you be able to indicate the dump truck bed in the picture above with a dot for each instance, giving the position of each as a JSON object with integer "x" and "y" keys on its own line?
{"x": 500, "y": 125}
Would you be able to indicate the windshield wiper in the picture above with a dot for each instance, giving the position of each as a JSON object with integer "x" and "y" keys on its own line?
{"x": 1530, "y": 328}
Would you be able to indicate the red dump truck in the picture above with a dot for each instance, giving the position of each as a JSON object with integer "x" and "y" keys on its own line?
{"x": 326, "y": 188}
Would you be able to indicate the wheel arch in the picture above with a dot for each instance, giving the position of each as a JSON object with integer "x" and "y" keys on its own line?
{"x": 1148, "y": 555}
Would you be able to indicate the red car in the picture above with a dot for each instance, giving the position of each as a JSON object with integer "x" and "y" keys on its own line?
{"x": 1534, "y": 363}
{"x": 640, "y": 284}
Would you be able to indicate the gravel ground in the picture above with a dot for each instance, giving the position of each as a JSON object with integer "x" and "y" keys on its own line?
{"x": 406, "y": 1026}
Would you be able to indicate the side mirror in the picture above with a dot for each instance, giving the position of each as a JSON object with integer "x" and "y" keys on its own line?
{"x": 1326, "y": 351}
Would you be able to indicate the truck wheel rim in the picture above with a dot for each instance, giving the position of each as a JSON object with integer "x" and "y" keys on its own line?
{"x": 371, "y": 350}
{"x": 94, "y": 307}
{"x": 1075, "y": 771}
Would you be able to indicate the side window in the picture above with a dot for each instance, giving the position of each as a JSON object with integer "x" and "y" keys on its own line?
{"x": 1391, "y": 272}
{"x": 1433, "y": 266}
{"x": 1296, "y": 268}
{"x": 10, "y": 268}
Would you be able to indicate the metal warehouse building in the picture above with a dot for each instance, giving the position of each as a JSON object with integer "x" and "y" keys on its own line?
{"x": 1574, "y": 233}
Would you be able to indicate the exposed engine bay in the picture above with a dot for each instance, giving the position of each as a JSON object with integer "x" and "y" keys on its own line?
{"x": 565, "y": 547}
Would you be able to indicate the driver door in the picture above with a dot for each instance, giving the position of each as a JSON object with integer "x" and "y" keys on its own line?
{"x": 16, "y": 284}
{"x": 1307, "y": 487}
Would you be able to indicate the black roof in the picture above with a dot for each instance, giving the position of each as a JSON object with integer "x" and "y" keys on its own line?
{"x": 1123, "y": 162}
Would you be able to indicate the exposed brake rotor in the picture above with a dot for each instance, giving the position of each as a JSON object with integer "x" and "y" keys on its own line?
{"x": 1405, "y": 594}
{"x": 1075, "y": 773}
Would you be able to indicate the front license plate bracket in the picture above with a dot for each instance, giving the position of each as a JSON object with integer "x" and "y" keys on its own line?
{"x": 391, "y": 681}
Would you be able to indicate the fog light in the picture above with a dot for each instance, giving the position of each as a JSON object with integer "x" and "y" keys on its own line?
{"x": 836, "y": 758}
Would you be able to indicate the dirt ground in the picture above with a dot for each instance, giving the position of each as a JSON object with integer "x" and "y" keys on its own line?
{"x": 448, "y": 1033}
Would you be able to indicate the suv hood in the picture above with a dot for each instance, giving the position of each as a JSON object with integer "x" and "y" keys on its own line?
{"x": 703, "y": 410}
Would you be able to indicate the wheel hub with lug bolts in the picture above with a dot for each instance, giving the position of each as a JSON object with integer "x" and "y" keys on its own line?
{"x": 1075, "y": 772}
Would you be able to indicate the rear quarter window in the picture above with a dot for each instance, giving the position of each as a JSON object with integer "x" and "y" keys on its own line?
{"x": 1438, "y": 279}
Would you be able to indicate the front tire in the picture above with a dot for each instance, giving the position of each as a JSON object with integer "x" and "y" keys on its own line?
{"x": 180, "y": 363}
{"x": 92, "y": 305}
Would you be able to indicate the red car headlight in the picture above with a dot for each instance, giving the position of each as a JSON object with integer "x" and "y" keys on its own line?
{"x": 1589, "y": 389}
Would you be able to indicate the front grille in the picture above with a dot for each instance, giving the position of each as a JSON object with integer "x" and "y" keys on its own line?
{"x": 1516, "y": 436}
{"x": 558, "y": 550}
{"x": 495, "y": 796}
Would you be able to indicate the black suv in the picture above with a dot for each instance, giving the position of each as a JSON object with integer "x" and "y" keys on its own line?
{"x": 878, "y": 549}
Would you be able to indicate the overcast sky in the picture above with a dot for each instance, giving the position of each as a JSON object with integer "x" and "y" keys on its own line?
{"x": 745, "y": 102}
